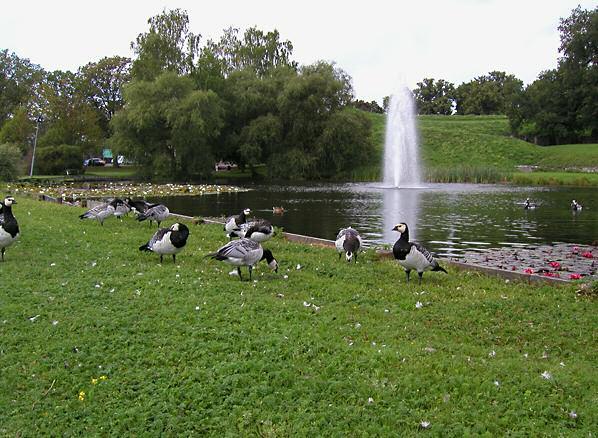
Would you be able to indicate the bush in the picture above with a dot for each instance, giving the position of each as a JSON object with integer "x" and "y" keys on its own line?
{"x": 52, "y": 160}
{"x": 10, "y": 157}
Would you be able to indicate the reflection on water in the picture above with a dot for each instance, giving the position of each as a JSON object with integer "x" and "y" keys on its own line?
{"x": 447, "y": 218}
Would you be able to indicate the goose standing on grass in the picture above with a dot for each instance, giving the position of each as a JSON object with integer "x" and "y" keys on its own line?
{"x": 121, "y": 208}
{"x": 576, "y": 206}
{"x": 9, "y": 227}
{"x": 137, "y": 207}
{"x": 168, "y": 241}
{"x": 100, "y": 212}
{"x": 155, "y": 212}
{"x": 412, "y": 255}
{"x": 233, "y": 223}
{"x": 529, "y": 205}
{"x": 348, "y": 241}
{"x": 259, "y": 230}
{"x": 244, "y": 252}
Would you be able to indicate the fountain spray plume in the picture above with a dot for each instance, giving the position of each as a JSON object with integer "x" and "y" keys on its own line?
{"x": 401, "y": 153}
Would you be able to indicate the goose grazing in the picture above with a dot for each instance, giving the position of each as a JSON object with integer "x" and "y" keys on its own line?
{"x": 100, "y": 212}
{"x": 259, "y": 230}
{"x": 244, "y": 252}
{"x": 121, "y": 208}
{"x": 155, "y": 212}
{"x": 9, "y": 227}
{"x": 348, "y": 241}
{"x": 576, "y": 206}
{"x": 233, "y": 223}
{"x": 168, "y": 241}
{"x": 412, "y": 255}
{"x": 529, "y": 205}
{"x": 137, "y": 207}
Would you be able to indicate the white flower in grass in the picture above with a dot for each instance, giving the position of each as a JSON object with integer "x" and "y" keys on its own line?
{"x": 496, "y": 383}
{"x": 54, "y": 322}
{"x": 419, "y": 305}
{"x": 546, "y": 375}
{"x": 492, "y": 353}
{"x": 98, "y": 286}
{"x": 370, "y": 400}
{"x": 52, "y": 264}
{"x": 306, "y": 304}
{"x": 93, "y": 264}
{"x": 196, "y": 307}
{"x": 286, "y": 277}
{"x": 424, "y": 424}
{"x": 298, "y": 266}
{"x": 357, "y": 325}
{"x": 573, "y": 414}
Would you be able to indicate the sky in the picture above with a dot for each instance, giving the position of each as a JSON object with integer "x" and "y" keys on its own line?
{"x": 380, "y": 44}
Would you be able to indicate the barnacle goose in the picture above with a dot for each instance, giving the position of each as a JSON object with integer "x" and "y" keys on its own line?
{"x": 137, "y": 207}
{"x": 576, "y": 206}
{"x": 9, "y": 227}
{"x": 100, "y": 212}
{"x": 244, "y": 252}
{"x": 233, "y": 223}
{"x": 121, "y": 208}
{"x": 529, "y": 205}
{"x": 412, "y": 255}
{"x": 155, "y": 212}
{"x": 168, "y": 241}
{"x": 259, "y": 230}
{"x": 348, "y": 241}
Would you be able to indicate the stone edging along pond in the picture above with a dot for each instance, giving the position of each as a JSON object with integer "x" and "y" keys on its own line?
{"x": 488, "y": 270}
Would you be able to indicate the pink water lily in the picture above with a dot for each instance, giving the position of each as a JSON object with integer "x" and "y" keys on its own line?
{"x": 575, "y": 276}
{"x": 587, "y": 255}
{"x": 528, "y": 271}
{"x": 555, "y": 265}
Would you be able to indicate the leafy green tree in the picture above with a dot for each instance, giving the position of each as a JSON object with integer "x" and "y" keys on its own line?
{"x": 68, "y": 117}
{"x": 101, "y": 84}
{"x": 561, "y": 106}
{"x": 18, "y": 129}
{"x": 169, "y": 45}
{"x": 17, "y": 80}
{"x": 488, "y": 94}
{"x": 434, "y": 96}
{"x": 345, "y": 142}
{"x": 372, "y": 107}
{"x": 10, "y": 157}
{"x": 52, "y": 160}
{"x": 168, "y": 127}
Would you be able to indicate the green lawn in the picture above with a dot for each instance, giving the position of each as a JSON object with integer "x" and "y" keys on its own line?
{"x": 98, "y": 338}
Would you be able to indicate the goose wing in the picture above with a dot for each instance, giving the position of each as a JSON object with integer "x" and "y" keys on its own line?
{"x": 238, "y": 248}
{"x": 157, "y": 237}
{"x": 428, "y": 256}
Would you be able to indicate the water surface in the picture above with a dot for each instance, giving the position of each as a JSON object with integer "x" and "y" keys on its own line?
{"x": 448, "y": 218}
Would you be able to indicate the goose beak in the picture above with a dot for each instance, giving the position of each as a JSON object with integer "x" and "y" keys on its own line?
{"x": 395, "y": 228}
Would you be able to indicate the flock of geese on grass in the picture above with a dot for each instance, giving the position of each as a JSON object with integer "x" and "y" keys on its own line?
{"x": 247, "y": 250}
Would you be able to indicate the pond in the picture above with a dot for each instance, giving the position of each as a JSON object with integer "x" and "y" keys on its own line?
{"x": 449, "y": 219}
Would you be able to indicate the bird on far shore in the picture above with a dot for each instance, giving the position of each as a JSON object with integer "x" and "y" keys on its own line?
{"x": 166, "y": 241}
{"x": 412, "y": 255}
{"x": 9, "y": 227}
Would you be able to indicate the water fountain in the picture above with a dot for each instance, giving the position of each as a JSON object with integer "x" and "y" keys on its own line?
{"x": 401, "y": 154}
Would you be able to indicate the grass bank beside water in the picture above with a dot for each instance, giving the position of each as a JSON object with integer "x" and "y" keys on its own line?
{"x": 479, "y": 149}
{"x": 99, "y": 338}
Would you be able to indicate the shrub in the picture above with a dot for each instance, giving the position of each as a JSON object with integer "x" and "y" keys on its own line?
{"x": 56, "y": 159}
{"x": 10, "y": 158}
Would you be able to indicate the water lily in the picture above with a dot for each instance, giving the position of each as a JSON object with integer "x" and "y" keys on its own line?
{"x": 555, "y": 265}
{"x": 587, "y": 255}
{"x": 574, "y": 276}
{"x": 528, "y": 271}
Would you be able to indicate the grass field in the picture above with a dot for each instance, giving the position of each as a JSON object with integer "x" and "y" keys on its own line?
{"x": 100, "y": 339}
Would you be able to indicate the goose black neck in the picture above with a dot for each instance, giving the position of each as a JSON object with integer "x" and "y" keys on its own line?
{"x": 405, "y": 235}
{"x": 267, "y": 255}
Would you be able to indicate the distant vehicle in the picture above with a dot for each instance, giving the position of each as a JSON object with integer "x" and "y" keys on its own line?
{"x": 94, "y": 162}
{"x": 224, "y": 165}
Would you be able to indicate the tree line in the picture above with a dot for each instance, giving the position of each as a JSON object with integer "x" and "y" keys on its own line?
{"x": 183, "y": 103}
{"x": 559, "y": 107}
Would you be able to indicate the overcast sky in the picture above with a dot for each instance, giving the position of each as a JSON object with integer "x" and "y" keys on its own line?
{"x": 378, "y": 43}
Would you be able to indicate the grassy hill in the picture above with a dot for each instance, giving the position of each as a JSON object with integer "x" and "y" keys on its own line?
{"x": 461, "y": 148}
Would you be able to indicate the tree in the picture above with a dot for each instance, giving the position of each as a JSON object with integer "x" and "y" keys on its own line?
{"x": 101, "y": 85}
{"x": 489, "y": 94}
{"x": 168, "y": 46}
{"x": 168, "y": 127}
{"x": 434, "y": 96}
{"x": 18, "y": 130}
{"x": 372, "y": 107}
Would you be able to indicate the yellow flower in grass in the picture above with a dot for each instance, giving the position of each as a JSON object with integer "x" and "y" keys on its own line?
{"x": 81, "y": 395}
{"x": 94, "y": 381}
{"x": 103, "y": 377}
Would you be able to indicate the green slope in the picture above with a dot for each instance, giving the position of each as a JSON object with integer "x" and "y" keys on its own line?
{"x": 482, "y": 144}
